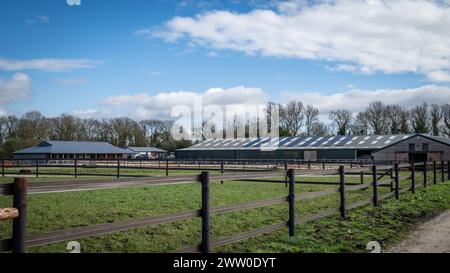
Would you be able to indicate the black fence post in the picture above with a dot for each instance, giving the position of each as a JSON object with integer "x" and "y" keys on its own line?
{"x": 425, "y": 167}
{"x": 362, "y": 177}
{"x": 323, "y": 165}
{"x": 434, "y": 172}
{"x": 442, "y": 171}
{"x": 118, "y": 168}
{"x": 37, "y": 167}
{"x": 391, "y": 175}
{"x": 413, "y": 177}
{"x": 448, "y": 170}
{"x": 286, "y": 174}
{"x": 397, "y": 181}
{"x": 205, "y": 245}
{"x": 76, "y": 168}
{"x": 375, "y": 185}
{"x": 20, "y": 223}
{"x": 167, "y": 167}
{"x": 342, "y": 192}
{"x": 221, "y": 170}
{"x": 291, "y": 199}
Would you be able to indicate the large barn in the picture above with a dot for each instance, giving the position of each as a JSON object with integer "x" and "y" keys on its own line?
{"x": 61, "y": 150}
{"x": 411, "y": 147}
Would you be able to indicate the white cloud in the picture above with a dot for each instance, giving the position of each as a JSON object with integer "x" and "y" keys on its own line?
{"x": 144, "y": 105}
{"x": 357, "y": 100}
{"x": 73, "y": 2}
{"x": 47, "y": 64}
{"x": 14, "y": 89}
{"x": 374, "y": 36}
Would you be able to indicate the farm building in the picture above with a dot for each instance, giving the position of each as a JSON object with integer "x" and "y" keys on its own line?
{"x": 411, "y": 147}
{"x": 50, "y": 149}
{"x": 148, "y": 152}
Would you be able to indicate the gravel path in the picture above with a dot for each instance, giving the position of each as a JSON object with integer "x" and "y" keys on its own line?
{"x": 430, "y": 237}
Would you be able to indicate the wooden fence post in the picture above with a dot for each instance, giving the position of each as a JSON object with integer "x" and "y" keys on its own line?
{"x": 76, "y": 168}
{"x": 37, "y": 167}
{"x": 323, "y": 165}
{"x": 342, "y": 192}
{"x": 205, "y": 245}
{"x": 167, "y": 167}
{"x": 3, "y": 167}
{"x": 397, "y": 181}
{"x": 448, "y": 170}
{"x": 221, "y": 170}
{"x": 362, "y": 177}
{"x": 286, "y": 174}
{"x": 413, "y": 177}
{"x": 434, "y": 172}
{"x": 291, "y": 200}
{"x": 391, "y": 176}
{"x": 442, "y": 171}
{"x": 425, "y": 167}
{"x": 375, "y": 185}
{"x": 118, "y": 168}
{"x": 19, "y": 223}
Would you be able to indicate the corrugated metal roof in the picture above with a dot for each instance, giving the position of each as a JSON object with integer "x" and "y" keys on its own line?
{"x": 72, "y": 147}
{"x": 302, "y": 143}
{"x": 147, "y": 150}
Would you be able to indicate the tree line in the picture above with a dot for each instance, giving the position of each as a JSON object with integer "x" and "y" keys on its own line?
{"x": 295, "y": 119}
{"x": 31, "y": 128}
{"x": 376, "y": 119}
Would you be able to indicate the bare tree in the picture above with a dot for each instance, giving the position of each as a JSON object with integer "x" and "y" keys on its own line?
{"x": 419, "y": 118}
{"x": 342, "y": 118}
{"x": 311, "y": 117}
{"x": 435, "y": 119}
{"x": 319, "y": 129}
{"x": 397, "y": 119}
{"x": 360, "y": 125}
{"x": 376, "y": 116}
{"x": 292, "y": 117}
{"x": 445, "y": 110}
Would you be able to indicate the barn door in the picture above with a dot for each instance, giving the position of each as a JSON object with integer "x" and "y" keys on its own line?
{"x": 434, "y": 156}
{"x": 402, "y": 157}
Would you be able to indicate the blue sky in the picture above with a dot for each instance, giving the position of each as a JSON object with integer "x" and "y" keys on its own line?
{"x": 98, "y": 58}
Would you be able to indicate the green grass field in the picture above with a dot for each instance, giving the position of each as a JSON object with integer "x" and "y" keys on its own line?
{"x": 58, "y": 211}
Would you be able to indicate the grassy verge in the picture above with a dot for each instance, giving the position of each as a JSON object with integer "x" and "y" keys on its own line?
{"x": 388, "y": 224}
{"x": 58, "y": 211}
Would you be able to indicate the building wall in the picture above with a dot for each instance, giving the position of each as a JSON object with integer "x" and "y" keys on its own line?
{"x": 401, "y": 152}
{"x": 258, "y": 154}
{"x": 30, "y": 156}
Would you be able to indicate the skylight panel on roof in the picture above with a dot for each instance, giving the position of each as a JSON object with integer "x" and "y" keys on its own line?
{"x": 304, "y": 141}
{"x": 315, "y": 141}
{"x": 292, "y": 141}
{"x": 328, "y": 141}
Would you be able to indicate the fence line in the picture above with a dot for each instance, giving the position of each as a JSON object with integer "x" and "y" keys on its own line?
{"x": 18, "y": 243}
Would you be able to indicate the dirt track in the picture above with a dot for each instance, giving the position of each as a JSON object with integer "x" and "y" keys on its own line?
{"x": 430, "y": 237}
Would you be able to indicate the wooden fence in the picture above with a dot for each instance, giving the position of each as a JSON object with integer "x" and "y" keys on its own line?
{"x": 19, "y": 189}
{"x": 117, "y": 168}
